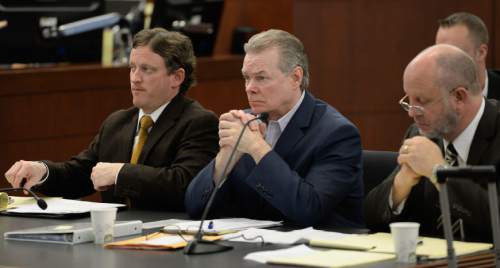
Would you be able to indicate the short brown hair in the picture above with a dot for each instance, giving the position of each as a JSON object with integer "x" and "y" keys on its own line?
{"x": 175, "y": 48}
{"x": 477, "y": 28}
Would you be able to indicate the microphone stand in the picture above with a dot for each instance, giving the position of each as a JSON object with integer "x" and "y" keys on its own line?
{"x": 40, "y": 202}
{"x": 198, "y": 245}
{"x": 475, "y": 173}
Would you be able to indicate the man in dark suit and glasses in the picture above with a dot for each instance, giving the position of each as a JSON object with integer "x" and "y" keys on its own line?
{"x": 469, "y": 33}
{"x": 454, "y": 125}
{"x": 145, "y": 155}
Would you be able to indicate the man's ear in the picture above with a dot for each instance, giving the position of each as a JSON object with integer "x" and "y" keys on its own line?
{"x": 297, "y": 75}
{"x": 461, "y": 94}
{"x": 178, "y": 77}
{"x": 482, "y": 52}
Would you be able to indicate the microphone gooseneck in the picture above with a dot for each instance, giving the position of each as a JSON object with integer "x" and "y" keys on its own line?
{"x": 211, "y": 247}
{"x": 40, "y": 202}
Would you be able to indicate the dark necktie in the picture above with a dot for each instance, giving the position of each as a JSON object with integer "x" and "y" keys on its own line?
{"x": 451, "y": 155}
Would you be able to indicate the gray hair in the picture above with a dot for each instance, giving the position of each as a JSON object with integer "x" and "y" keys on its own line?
{"x": 456, "y": 68}
{"x": 291, "y": 50}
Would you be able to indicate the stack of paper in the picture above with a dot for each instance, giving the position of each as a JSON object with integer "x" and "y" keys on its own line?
{"x": 219, "y": 226}
{"x": 279, "y": 237}
{"x": 56, "y": 207}
{"x": 156, "y": 241}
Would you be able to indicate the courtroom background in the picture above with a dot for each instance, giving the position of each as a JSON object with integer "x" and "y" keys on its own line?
{"x": 357, "y": 51}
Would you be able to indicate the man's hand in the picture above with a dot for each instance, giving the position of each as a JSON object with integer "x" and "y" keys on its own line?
{"x": 30, "y": 171}
{"x": 405, "y": 179}
{"x": 104, "y": 175}
{"x": 421, "y": 155}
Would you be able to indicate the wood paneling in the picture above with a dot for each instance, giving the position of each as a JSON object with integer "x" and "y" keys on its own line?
{"x": 358, "y": 51}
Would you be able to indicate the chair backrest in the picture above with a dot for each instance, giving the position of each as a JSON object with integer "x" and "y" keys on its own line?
{"x": 377, "y": 165}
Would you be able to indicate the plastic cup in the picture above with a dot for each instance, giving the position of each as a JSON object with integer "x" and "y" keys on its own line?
{"x": 103, "y": 221}
{"x": 405, "y": 235}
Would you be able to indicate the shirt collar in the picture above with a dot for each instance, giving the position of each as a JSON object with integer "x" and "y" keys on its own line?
{"x": 463, "y": 142}
{"x": 154, "y": 115}
{"x": 284, "y": 120}
{"x": 485, "y": 89}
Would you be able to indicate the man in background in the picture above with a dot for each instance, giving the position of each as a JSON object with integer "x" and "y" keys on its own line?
{"x": 454, "y": 125}
{"x": 468, "y": 32}
{"x": 145, "y": 155}
{"x": 303, "y": 168}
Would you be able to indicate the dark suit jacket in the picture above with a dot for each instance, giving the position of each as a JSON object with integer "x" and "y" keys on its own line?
{"x": 312, "y": 177}
{"x": 181, "y": 142}
{"x": 494, "y": 84}
{"x": 468, "y": 200}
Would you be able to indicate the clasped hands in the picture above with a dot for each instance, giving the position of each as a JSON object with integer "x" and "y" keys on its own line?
{"x": 30, "y": 173}
{"x": 252, "y": 142}
{"x": 417, "y": 157}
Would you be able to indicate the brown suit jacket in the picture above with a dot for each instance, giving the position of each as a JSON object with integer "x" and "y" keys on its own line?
{"x": 182, "y": 141}
{"x": 468, "y": 199}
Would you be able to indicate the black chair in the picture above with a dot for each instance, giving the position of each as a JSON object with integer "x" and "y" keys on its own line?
{"x": 377, "y": 165}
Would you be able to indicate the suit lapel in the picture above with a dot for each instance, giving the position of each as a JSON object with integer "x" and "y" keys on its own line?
{"x": 293, "y": 132}
{"x": 484, "y": 132}
{"x": 129, "y": 129}
{"x": 165, "y": 122}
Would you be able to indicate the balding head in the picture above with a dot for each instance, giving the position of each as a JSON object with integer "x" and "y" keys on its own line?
{"x": 446, "y": 66}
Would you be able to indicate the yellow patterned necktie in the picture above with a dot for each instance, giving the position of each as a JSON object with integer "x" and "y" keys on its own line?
{"x": 145, "y": 123}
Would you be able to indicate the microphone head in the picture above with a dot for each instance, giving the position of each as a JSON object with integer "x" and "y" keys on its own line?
{"x": 264, "y": 117}
{"x": 42, "y": 204}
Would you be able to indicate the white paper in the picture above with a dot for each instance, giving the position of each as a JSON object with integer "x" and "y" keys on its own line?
{"x": 161, "y": 223}
{"x": 278, "y": 237}
{"x": 220, "y": 225}
{"x": 62, "y": 206}
{"x": 265, "y": 256}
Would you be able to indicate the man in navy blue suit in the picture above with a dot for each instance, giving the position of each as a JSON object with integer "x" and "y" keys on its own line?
{"x": 304, "y": 167}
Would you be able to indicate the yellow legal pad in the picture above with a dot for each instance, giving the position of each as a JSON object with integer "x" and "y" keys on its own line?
{"x": 334, "y": 258}
{"x": 432, "y": 248}
{"x": 156, "y": 241}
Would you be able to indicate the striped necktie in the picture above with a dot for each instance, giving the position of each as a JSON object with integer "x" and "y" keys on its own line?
{"x": 451, "y": 155}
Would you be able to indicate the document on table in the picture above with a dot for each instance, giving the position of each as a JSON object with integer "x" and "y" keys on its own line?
{"x": 220, "y": 226}
{"x": 56, "y": 207}
{"x": 304, "y": 256}
{"x": 156, "y": 241}
{"x": 256, "y": 235}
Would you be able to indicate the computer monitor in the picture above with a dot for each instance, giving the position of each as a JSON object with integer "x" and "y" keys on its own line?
{"x": 30, "y": 35}
{"x": 198, "y": 19}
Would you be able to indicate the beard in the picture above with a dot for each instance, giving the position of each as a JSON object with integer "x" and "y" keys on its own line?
{"x": 444, "y": 125}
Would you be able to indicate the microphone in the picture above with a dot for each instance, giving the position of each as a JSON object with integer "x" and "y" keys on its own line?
{"x": 40, "y": 202}
{"x": 198, "y": 245}
{"x": 473, "y": 172}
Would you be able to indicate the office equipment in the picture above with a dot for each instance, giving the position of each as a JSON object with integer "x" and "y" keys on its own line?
{"x": 40, "y": 202}
{"x": 70, "y": 233}
{"x": 487, "y": 173}
{"x": 198, "y": 19}
{"x": 32, "y": 31}
{"x": 209, "y": 246}
{"x": 57, "y": 208}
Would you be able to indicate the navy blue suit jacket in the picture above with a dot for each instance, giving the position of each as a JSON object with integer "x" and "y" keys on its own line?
{"x": 313, "y": 176}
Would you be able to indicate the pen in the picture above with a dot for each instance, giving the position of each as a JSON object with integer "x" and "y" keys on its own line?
{"x": 210, "y": 225}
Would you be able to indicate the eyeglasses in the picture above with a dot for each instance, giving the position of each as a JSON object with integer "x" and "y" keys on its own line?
{"x": 418, "y": 109}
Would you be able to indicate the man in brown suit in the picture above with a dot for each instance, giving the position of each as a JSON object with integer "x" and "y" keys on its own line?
{"x": 146, "y": 154}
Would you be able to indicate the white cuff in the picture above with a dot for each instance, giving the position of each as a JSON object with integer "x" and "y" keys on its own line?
{"x": 399, "y": 208}
{"x": 47, "y": 172}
